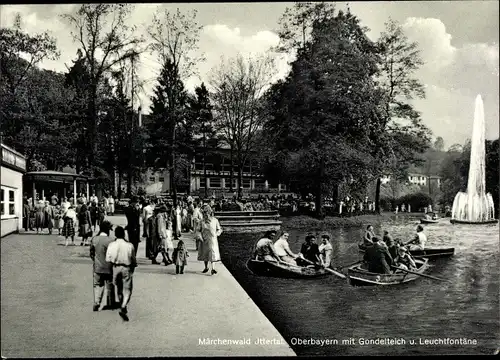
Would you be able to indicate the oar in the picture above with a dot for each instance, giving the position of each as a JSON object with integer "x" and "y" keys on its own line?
{"x": 416, "y": 273}
{"x": 348, "y": 265}
{"x": 340, "y": 275}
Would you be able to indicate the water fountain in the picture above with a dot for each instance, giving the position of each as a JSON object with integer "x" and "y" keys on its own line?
{"x": 475, "y": 206}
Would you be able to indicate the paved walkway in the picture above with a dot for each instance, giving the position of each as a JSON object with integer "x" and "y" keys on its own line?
{"x": 46, "y": 307}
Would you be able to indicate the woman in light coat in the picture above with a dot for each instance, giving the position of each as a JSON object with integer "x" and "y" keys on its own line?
{"x": 210, "y": 229}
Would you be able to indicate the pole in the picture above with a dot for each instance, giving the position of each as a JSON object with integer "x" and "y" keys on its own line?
{"x": 74, "y": 191}
{"x": 131, "y": 145}
{"x": 173, "y": 189}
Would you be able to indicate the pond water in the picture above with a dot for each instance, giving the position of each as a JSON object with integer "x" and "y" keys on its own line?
{"x": 465, "y": 307}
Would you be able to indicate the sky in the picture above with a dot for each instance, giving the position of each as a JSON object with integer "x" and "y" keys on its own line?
{"x": 458, "y": 42}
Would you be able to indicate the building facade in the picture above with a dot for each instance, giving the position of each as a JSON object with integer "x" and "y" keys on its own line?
{"x": 13, "y": 167}
{"x": 218, "y": 169}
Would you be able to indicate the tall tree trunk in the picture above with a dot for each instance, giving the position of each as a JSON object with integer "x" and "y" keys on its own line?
{"x": 120, "y": 178}
{"x": 173, "y": 187}
{"x": 377, "y": 195}
{"x": 319, "y": 192}
{"x": 240, "y": 180}
{"x": 231, "y": 175}
{"x": 205, "y": 176}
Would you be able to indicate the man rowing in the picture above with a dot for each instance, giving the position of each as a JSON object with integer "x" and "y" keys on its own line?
{"x": 405, "y": 260}
{"x": 264, "y": 249}
{"x": 309, "y": 252}
{"x": 378, "y": 258}
{"x": 419, "y": 240}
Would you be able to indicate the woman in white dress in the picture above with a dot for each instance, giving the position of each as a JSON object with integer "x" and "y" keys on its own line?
{"x": 111, "y": 205}
{"x": 178, "y": 222}
{"x": 326, "y": 250}
{"x": 210, "y": 230}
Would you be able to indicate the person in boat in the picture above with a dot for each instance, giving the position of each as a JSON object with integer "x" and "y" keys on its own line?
{"x": 283, "y": 249}
{"x": 369, "y": 234}
{"x": 264, "y": 249}
{"x": 391, "y": 245}
{"x": 378, "y": 258}
{"x": 405, "y": 260}
{"x": 434, "y": 216}
{"x": 309, "y": 252}
{"x": 418, "y": 243}
{"x": 325, "y": 250}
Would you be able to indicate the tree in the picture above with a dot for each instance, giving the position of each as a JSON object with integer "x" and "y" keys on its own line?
{"x": 201, "y": 113}
{"x": 297, "y": 22}
{"x": 114, "y": 44}
{"x": 404, "y": 134}
{"x": 439, "y": 144}
{"x": 174, "y": 38}
{"x": 324, "y": 115}
{"x": 236, "y": 89}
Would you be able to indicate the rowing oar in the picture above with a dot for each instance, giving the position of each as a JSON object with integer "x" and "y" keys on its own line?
{"x": 349, "y": 265}
{"x": 340, "y": 275}
{"x": 416, "y": 273}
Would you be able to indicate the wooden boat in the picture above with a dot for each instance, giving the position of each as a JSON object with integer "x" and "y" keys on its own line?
{"x": 283, "y": 270}
{"x": 429, "y": 221}
{"x": 427, "y": 253}
{"x": 357, "y": 275}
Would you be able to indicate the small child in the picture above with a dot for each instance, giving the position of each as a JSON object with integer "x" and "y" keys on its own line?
{"x": 180, "y": 256}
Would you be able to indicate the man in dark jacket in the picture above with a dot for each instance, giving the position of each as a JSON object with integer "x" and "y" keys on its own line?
{"x": 133, "y": 214}
{"x": 309, "y": 251}
{"x": 103, "y": 270}
{"x": 378, "y": 258}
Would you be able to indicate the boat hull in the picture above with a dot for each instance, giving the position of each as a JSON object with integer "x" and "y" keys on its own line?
{"x": 428, "y": 221}
{"x": 358, "y": 276}
{"x": 266, "y": 268}
{"x": 427, "y": 253}
{"x": 465, "y": 222}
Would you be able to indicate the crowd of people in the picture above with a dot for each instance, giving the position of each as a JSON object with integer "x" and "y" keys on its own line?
{"x": 383, "y": 254}
{"x": 310, "y": 253}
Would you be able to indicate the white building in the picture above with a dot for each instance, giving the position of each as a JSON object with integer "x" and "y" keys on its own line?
{"x": 421, "y": 179}
{"x": 13, "y": 168}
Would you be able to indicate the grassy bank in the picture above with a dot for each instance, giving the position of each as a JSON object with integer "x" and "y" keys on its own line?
{"x": 332, "y": 222}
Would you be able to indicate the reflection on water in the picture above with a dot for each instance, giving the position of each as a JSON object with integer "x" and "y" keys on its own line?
{"x": 327, "y": 308}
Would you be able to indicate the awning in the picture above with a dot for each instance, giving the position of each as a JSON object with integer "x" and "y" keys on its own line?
{"x": 54, "y": 176}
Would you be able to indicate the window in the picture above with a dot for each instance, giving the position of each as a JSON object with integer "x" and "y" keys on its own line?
{"x": 8, "y": 202}
{"x": 202, "y": 182}
{"x": 228, "y": 182}
{"x": 3, "y": 202}
{"x": 12, "y": 207}
{"x": 152, "y": 178}
{"x": 246, "y": 183}
{"x": 215, "y": 182}
{"x": 162, "y": 179}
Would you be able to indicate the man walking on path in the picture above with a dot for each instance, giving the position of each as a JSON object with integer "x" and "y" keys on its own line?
{"x": 121, "y": 254}
{"x": 133, "y": 214}
{"x": 102, "y": 270}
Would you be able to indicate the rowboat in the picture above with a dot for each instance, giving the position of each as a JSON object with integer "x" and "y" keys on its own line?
{"x": 466, "y": 222}
{"x": 358, "y": 275}
{"x": 427, "y": 253}
{"x": 428, "y": 221}
{"x": 284, "y": 270}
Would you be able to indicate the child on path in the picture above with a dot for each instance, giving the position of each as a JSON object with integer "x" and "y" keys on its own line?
{"x": 180, "y": 256}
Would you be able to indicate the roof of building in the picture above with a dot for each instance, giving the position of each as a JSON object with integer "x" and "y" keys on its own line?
{"x": 55, "y": 176}
{"x": 12, "y": 150}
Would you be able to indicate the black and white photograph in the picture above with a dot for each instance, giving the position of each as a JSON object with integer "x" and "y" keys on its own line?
{"x": 249, "y": 179}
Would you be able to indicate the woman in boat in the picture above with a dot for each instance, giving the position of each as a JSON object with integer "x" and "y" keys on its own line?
{"x": 378, "y": 258}
{"x": 264, "y": 249}
{"x": 283, "y": 249}
{"x": 369, "y": 234}
{"x": 309, "y": 252}
{"x": 419, "y": 240}
{"x": 405, "y": 261}
{"x": 325, "y": 250}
